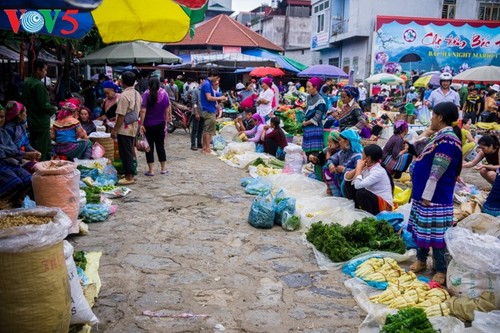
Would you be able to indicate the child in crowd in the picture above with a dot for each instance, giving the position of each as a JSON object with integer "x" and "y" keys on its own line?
{"x": 244, "y": 123}
{"x": 377, "y": 125}
{"x": 410, "y": 111}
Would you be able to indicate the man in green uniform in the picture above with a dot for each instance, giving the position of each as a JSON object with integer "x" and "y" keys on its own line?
{"x": 37, "y": 102}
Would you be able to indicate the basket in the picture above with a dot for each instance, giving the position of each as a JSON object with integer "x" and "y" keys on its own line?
{"x": 108, "y": 145}
{"x": 365, "y": 143}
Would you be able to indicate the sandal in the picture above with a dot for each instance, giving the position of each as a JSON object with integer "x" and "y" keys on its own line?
{"x": 149, "y": 174}
{"x": 418, "y": 266}
{"x": 164, "y": 172}
{"x": 439, "y": 278}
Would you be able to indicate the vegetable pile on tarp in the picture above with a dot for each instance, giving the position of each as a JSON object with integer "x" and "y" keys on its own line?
{"x": 343, "y": 243}
{"x": 410, "y": 320}
{"x": 283, "y": 204}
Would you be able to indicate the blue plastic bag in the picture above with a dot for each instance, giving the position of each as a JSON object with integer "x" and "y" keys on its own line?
{"x": 245, "y": 181}
{"x": 262, "y": 212}
{"x": 28, "y": 203}
{"x": 258, "y": 186}
{"x": 95, "y": 213}
{"x": 393, "y": 218}
{"x": 92, "y": 173}
{"x": 108, "y": 176}
{"x": 283, "y": 204}
{"x": 350, "y": 268}
{"x": 219, "y": 142}
{"x": 259, "y": 148}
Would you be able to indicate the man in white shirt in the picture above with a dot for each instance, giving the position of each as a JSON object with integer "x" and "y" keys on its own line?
{"x": 362, "y": 92}
{"x": 444, "y": 93}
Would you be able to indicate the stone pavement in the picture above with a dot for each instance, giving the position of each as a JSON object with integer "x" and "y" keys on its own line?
{"x": 180, "y": 243}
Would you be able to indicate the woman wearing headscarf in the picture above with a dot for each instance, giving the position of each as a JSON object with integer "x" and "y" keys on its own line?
{"x": 14, "y": 180}
{"x": 350, "y": 114}
{"x": 344, "y": 160}
{"x": 265, "y": 99}
{"x": 396, "y": 157}
{"x": 313, "y": 127}
{"x": 155, "y": 112}
{"x": 255, "y": 134}
{"x": 110, "y": 103}
{"x": 369, "y": 184}
{"x": 274, "y": 139}
{"x": 87, "y": 123}
{"x": 319, "y": 159}
{"x": 15, "y": 125}
{"x": 71, "y": 139}
{"x": 434, "y": 175}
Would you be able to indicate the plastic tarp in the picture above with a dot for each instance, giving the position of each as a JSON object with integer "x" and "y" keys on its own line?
{"x": 284, "y": 62}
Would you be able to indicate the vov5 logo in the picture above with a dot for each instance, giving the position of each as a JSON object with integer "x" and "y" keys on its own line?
{"x": 35, "y": 20}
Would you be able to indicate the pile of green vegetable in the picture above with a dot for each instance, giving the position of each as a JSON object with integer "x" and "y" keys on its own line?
{"x": 408, "y": 320}
{"x": 291, "y": 126}
{"x": 343, "y": 243}
{"x": 80, "y": 259}
{"x": 93, "y": 193}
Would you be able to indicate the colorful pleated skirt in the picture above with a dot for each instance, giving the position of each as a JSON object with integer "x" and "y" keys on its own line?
{"x": 313, "y": 139}
{"x": 429, "y": 223}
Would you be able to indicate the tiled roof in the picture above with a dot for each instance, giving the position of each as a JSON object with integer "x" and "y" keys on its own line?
{"x": 224, "y": 31}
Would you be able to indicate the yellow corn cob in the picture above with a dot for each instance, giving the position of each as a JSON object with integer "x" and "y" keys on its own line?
{"x": 440, "y": 309}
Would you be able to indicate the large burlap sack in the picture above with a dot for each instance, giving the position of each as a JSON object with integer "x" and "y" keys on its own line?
{"x": 56, "y": 184}
{"x": 34, "y": 288}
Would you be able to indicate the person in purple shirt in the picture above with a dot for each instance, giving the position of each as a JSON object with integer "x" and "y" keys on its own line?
{"x": 209, "y": 101}
{"x": 155, "y": 112}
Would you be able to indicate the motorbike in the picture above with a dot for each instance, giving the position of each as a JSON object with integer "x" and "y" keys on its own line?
{"x": 181, "y": 118}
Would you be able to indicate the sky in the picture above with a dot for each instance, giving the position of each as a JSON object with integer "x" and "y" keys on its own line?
{"x": 247, "y": 5}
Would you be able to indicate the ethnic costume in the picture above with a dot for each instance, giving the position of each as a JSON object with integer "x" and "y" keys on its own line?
{"x": 313, "y": 134}
{"x": 492, "y": 204}
{"x": 13, "y": 178}
{"x": 66, "y": 132}
{"x": 433, "y": 176}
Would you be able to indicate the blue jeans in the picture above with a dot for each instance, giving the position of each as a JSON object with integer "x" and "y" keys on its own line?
{"x": 437, "y": 255}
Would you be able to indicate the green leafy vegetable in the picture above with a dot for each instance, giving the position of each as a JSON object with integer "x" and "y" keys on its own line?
{"x": 92, "y": 194}
{"x": 292, "y": 223}
{"x": 258, "y": 162}
{"x": 408, "y": 320}
{"x": 343, "y": 243}
{"x": 80, "y": 259}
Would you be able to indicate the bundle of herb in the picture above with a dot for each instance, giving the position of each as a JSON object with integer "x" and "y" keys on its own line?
{"x": 408, "y": 320}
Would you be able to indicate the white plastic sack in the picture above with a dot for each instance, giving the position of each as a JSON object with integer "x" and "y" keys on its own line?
{"x": 28, "y": 238}
{"x": 241, "y": 161}
{"x": 424, "y": 115}
{"x": 239, "y": 147}
{"x": 298, "y": 186}
{"x": 83, "y": 201}
{"x": 475, "y": 252}
{"x": 80, "y": 309}
{"x": 293, "y": 163}
{"x": 486, "y": 322}
{"x": 228, "y": 132}
{"x": 464, "y": 283}
{"x": 292, "y": 148}
{"x": 99, "y": 135}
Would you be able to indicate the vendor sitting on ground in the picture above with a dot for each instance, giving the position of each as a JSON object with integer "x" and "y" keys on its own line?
{"x": 319, "y": 159}
{"x": 255, "y": 134}
{"x": 343, "y": 161}
{"x": 492, "y": 204}
{"x": 396, "y": 156}
{"x": 15, "y": 182}
{"x": 246, "y": 123}
{"x": 370, "y": 185}
{"x": 468, "y": 142}
{"x": 87, "y": 123}
{"x": 71, "y": 139}
{"x": 378, "y": 125}
{"x": 274, "y": 139}
{"x": 489, "y": 149}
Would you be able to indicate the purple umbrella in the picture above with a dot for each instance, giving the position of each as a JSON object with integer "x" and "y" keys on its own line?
{"x": 323, "y": 71}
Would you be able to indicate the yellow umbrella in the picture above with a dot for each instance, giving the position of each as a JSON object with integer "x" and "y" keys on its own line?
{"x": 150, "y": 20}
{"x": 423, "y": 81}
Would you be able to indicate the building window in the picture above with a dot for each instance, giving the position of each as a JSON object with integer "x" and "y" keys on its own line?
{"x": 489, "y": 12}
{"x": 334, "y": 62}
{"x": 346, "y": 64}
{"x": 320, "y": 23}
{"x": 449, "y": 9}
{"x": 355, "y": 65}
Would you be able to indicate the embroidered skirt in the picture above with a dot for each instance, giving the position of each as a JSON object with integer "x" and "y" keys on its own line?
{"x": 399, "y": 164}
{"x": 81, "y": 149}
{"x": 313, "y": 139}
{"x": 429, "y": 223}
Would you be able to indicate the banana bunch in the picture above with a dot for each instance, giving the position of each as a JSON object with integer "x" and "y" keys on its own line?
{"x": 266, "y": 171}
{"x": 440, "y": 309}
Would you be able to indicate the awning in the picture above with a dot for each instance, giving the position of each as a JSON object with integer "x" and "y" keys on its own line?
{"x": 233, "y": 60}
{"x": 8, "y": 54}
{"x": 285, "y": 63}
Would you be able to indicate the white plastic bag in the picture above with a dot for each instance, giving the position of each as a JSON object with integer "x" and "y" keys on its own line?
{"x": 228, "y": 132}
{"x": 293, "y": 163}
{"x": 487, "y": 322}
{"x": 239, "y": 147}
{"x": 424, "y": 115}
{"x": 464, "y": 283}
{"x": 29, "y": 238}
{"x": 83, "y": 201}
{"x": 292, "y": 148}
{"x": 475, "y": 252}
{"x": 80, "y": 309}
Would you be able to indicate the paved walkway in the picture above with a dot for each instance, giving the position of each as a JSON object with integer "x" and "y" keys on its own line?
{"x": 181, "y": 243}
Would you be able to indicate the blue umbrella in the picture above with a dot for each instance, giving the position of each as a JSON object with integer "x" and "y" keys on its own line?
{"x": 323, "y": 71}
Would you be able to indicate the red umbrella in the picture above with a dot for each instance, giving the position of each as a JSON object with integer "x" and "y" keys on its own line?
{"x": 264, "y": 71}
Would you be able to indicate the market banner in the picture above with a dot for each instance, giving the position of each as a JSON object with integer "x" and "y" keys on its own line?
{"x": 69, "y": 23}
{"x": 425, "y": 44}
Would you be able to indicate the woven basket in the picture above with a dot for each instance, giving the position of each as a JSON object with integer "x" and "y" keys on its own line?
{"x": 365, "y": 143}
{"x": 109, "y": 146}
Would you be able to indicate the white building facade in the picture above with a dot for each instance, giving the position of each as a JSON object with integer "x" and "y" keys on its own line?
{"x": 343, "y": 30}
